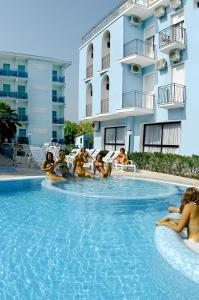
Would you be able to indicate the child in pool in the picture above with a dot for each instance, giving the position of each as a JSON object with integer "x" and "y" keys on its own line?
{"x": 48, "y": 167}
{"x": 62, "y": 165}
{"x": 78, "y": 166}
{"x": 100, "y": 166}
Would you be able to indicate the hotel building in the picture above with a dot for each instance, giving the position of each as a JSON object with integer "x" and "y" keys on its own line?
{"x": 138, "y": 77}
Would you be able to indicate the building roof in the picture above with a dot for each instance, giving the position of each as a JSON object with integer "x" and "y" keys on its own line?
{"x": 57, "y": 61}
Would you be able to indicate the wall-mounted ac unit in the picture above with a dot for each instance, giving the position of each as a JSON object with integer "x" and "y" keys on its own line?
{"x": 135, "y": 69}
{"x": 175, "y": 3}
{"x": 96, "y": 126}
{"x": 160, "y": 11}
{"x": 174, "y": 55}
{"x": 135, "y": 20}
{"x": 161, "y": 64}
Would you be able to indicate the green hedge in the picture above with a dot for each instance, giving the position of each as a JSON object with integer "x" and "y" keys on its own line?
{"x": 187, "y": 166}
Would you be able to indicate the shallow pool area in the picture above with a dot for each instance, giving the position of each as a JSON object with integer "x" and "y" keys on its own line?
{"x": 87, "y": 239}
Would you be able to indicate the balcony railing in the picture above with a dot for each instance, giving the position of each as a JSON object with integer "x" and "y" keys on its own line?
{"x": 137, "y": 99}
{"x": 5, "y": 94}
{"x": 13, "y": 73}
{"x": 172, "y": 34}
{"x": 105, "y": 106}
{"x": 139, "y": 47}
{"x": 106, "y": 62}
{"x": 171, "y": 94}
{"x": 58, "y": 120}
{"x": 60, "y": 79}
{"x": 23, "y": 118}
{"x": 89, "y": 110}
{"x": 61, "y": 141}
{"x": 114, "y": 13}
{"x": 58, "y": 99}
{"x": 89, "y": 71}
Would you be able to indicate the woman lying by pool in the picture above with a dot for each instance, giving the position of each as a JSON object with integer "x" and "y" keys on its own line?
{"x": 62, "y": 165}
{"x": 48, "y": 167}
{"x": 100, "y": 166}
{"x": 189, "y": 209}
{"x": 78, "y": 166}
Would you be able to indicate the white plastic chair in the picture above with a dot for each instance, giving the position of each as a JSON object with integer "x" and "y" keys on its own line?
{"x": 37, "y": 154}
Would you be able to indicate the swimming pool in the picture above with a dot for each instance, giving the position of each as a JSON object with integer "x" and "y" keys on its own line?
{"x": 86, "y": 239}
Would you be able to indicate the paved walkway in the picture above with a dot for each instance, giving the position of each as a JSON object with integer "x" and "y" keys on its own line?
{"x": 23, "y": 169}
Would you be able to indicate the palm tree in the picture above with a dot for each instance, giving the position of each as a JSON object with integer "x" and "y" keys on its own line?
{"x": 8, "y": 122}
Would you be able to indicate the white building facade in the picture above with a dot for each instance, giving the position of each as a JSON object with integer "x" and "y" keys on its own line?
{"x": 35, "y": 87}
{"x": 138, "y": 78}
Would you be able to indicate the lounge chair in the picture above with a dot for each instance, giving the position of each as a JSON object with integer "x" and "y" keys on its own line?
{"x": 37, "y": 155}
{"x": 129, "y": 166}
{"x": 70, "y": 157}
{"x": 108, "y": 156}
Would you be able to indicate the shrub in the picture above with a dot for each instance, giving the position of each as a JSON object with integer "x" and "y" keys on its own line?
{"x": 187, "y": 166}
{"x": 103, "y": 153}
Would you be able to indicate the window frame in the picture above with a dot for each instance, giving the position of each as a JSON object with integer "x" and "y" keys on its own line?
{"x": 115, "y": 136}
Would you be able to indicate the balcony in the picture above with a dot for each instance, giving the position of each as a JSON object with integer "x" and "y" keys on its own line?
{"x": 106, "y": 62}
{"x": 171, "y": 96}
{"x": 173, "y": 37}
{"x": 89, "y": 72}
{"x": 58, "y": 121}
{"x": 152, "y": 4}
{"x": 13, "y": 74}
{"x": 23, "y": 118}
{"x": 136, "y": 103}
{"x": 138, "y": 52}
{"x": 22, "y": 96}
{"x": 58, "y": 79}
{"x": 59, "y": 100}
{"x": 61, "y": 141}
{"x": 88, "y": 110}
{"x": 6, "y": 94}
{"x": 105, "y": 106}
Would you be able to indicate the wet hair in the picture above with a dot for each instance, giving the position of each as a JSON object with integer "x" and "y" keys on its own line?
{"x": 51, "y": 156}
{"x": 191, "y": 195}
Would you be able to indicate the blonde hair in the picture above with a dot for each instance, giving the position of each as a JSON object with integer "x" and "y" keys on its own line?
{"x": 191, "y": 195}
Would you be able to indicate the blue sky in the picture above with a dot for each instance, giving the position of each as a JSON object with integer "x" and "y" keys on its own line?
{"x": 51, "y": 28}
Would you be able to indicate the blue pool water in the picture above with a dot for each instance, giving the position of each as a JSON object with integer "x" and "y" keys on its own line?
{"x": 87, "y": 240}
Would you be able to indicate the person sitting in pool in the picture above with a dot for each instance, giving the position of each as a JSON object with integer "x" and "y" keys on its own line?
{"x": 78, "y": 166}
{"x": 103, "y": 168}
{"x": 62, "y": 165}
{"x": 190, "y": 215}
{"x": 48, "y": 167}
{"x": 122, "y": 157}
{"x": 86, "y": 155}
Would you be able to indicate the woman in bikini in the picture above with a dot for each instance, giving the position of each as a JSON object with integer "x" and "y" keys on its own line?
{"x": 100, "y": 166}
{"x": 48, "y": 167}
{"x": 62, "y": 165}
{"x": 78, "y": 166}
{"x": 189, "y": 210}
{"x": 122, "y": 157}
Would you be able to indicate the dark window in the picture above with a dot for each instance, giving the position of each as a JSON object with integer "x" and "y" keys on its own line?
{"x": 162, "y": 137}
{"x": 114, "y": 138}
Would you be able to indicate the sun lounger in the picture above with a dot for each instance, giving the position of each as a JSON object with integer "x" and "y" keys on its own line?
{"x": 129, "y": 166}
{"x": 37, "y": 155}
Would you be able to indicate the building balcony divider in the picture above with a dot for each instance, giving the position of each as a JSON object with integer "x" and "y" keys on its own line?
{"x": 58, "y": 120}
{"x": 137, "y": 99}
{"x": 58, "y": 99}
{"x": 104, "y": 106}
{"x": 59, "y": 79}
{"x": 13, "y": 73}
{"x": 89, "y": 72}
{"x": 172, "y": 95}
{"x": 173, "y": 35}
{"x": 106, "y": 62}
{"x": 89, "y": 110}
{"x": 23, "y": 118}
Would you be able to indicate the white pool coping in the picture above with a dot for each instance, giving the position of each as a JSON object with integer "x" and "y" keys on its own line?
{"x": 178, "y": 252}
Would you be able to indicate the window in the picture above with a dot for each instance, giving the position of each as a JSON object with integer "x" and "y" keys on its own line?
{"x": 22, "y": 132}
{"x": 162, "y": 137}
{"x": 54, "y": 73}
{"x": 54, "y": 93}
{"x": 21, "y": 68}
{"x": 21, "y": 89}
{"x": 21, "y": 111}
{"x": 114, "y": 138}
{"x": 6, "y": 67}
{"x": 6, "y": 87}
{"x": 54, "y": 134}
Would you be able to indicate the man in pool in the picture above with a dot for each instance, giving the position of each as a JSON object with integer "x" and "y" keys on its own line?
{"x": 62, "y": 165}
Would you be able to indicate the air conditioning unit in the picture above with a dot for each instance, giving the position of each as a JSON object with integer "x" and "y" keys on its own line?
{"x": 175, "y": 3}
{"x": 135, "y": 20}
{"x": 96, "y": 126}
{"x": 161, "y": 64}
{"x": 160, "y": 11}
{"x": 174, "y": 55}
{"x": 135, "y": 69}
